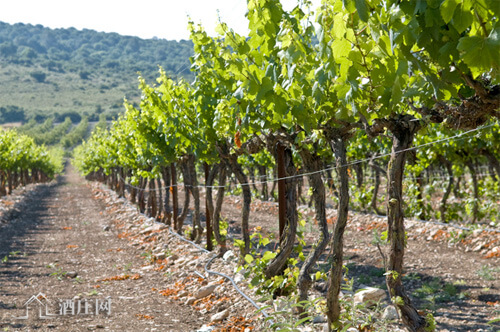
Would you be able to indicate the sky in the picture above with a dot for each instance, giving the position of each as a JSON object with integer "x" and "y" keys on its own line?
{"x": 166, "y": 19}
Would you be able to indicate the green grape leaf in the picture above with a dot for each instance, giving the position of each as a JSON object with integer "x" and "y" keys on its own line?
{"x": 480, "y": 54}
{"x": 362, "y": 10}
{"x": 447, "y": 9}
{"x": 349, "y": 5}
{"x": 268, "y": 255}
{"x": 340, "y": 48}
{"x": 248, "y": 258}
{"x": 462, "y": 19}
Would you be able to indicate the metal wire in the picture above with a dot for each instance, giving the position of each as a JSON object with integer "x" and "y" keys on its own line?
{"x": 219, "y": 273}
{"x": 332, "y": 167}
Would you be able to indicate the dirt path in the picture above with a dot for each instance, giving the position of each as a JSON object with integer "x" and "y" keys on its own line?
{"x": 59, "y": 243}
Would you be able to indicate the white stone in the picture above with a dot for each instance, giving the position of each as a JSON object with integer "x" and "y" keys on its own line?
{"x": 390, "y": 313}
{"x": 205, "y": 328}
{"x": 146, "y": 230}
{"x": 183, "y": 294}
{"x": 239, "y": 278}
{"x": 369, "y": 296}
{"x": 205, "y": 291}
{"x": 478, "y": 248}
{"x": 228, "y": 255}
{"x": 219, "y": 316}
{"x": 319, "y": 320}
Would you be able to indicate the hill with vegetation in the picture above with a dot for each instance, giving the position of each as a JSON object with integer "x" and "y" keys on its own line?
{"x": 58, "y": 73}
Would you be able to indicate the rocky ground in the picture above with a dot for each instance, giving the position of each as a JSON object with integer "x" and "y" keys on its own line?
{"x": 76, "y": 242}
{"x": 58, "y": 240}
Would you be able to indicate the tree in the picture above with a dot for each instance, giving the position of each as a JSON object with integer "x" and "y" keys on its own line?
{"x": 38, "y": 76}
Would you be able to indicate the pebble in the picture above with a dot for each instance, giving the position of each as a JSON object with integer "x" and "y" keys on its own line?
{"x": 319, "y": 320}
{"x": 229, "y": 256}
{"x": 390, "y": 313}
{"x": 205, "y": 291}
{"x": 183, "y": 294}
{"x": 220, "y": 316}
{"x": 369, "y": 295}
{"x": 239, "y": 278}
{"x": 206, "y": 328}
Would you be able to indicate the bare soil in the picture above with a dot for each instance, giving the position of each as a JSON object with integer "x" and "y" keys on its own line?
{"x": 74, "y": 240}
{"x": 451, "y": 273}
{"x": 53, "y": 241}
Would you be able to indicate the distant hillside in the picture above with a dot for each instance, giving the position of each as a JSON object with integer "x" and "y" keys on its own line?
{"x": 67, "y": 72}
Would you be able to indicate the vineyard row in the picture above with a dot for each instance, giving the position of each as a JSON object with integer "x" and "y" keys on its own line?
{"x": 293, "y": 97}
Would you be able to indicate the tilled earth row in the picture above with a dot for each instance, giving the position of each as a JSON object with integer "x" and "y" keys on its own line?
{"x": 57, "y": 241}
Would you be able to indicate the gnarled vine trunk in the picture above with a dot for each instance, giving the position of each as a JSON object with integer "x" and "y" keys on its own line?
{"x": 337, "y": 243}
{"x": 133, "y": 191}
{"x": 263, "y": 179}
{"x": 151, "y": 206}
{"x": 210, "y": 173}
{"x": 175, "y": 199}
{"x": 376, "y": 186}
{"x": 442, "y": 205}
{"x": 160, "y": 200}
{"x": 121, "y": 182}
{"x": 287, "y": 241}
{"x": 141, "y": 196}
{"x": 191, "y": 183}
{"x": 3, "y": 192}
{"x": 403, "y": 130}
{"x": 313, "y": 164}
{"x": 493, "y": 163}
{"x": 187, "y": 196}
{"x": 475, "y": 187}
{"x": 221, "y": 241}
{"x": 247, "y": 200}
{"x": 167, "y": 211}
{"x": 195, "y": 191}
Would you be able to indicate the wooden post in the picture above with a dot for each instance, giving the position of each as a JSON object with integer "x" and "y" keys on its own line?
{"x": 207, "y": 213}
{"x": 173, "y": 189}
{"x": 281, "y": 189}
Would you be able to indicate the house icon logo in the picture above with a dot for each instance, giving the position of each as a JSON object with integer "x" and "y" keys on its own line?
{"x": 42, "y": 302}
